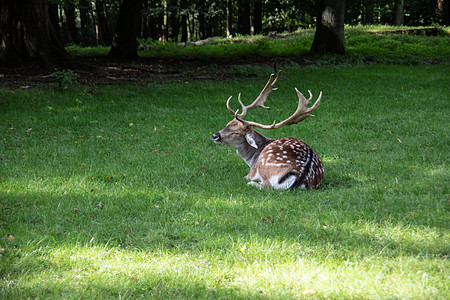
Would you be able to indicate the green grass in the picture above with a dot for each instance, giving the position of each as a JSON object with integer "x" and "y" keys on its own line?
{"x": 118, "y": 191}
{"x": 364, "y": 43}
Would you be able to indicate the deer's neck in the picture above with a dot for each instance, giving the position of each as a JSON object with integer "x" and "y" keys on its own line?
{"x": 249, "y": 153}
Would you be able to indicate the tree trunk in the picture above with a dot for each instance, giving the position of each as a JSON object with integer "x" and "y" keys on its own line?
{"x": 87, "y": 39}
{"x": 201, "y": 26}
{"x": 54, "y": 19}
{"x": 184, "y": 28}
{"x": 184, "y": 23}
{"x": 124, "y": 40}
{"x": 244, "y": 17}
{"x": 165, "y": 24}
{"x": 443, "y": 11}
{"x": 329, "y": 37}
{"x": 174, "y": 22}
{"x": 257, "y": 17}
{"x": 229, "y": 17}
{"x": 69, "y": 12}
{"x": 399, "y": 12}
{"x": 105, "y": 36}
{"x": 26, "y": 35}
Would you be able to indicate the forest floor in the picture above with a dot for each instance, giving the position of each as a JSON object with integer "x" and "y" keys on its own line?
{"x": 104, "y": 70}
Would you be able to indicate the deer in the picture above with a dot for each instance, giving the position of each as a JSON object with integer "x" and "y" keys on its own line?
{"x": 281, "y": 164}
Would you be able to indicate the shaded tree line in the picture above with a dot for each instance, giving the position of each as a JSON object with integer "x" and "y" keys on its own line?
{"x": 37, "y": 30}
{"x": 93, "y": 22}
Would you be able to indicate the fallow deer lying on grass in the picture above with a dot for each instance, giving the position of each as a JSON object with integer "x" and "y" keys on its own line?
{"x": 284, "y": 163}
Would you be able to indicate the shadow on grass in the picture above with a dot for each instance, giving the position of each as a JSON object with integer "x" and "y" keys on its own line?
{"x": 188, "y": 221}
{"x": 159, "y": 221}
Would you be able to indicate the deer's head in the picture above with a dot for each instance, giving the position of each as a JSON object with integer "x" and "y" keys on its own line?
{"x": 239, "y": 130}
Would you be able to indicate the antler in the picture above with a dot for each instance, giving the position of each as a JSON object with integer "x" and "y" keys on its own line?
{"x": 302, "y": 112}
{"x": 259, "y": 101}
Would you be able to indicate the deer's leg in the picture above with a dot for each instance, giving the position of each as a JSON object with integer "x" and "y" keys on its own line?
{"x": 256, "y": 184}
{"x": 254, "y": 178}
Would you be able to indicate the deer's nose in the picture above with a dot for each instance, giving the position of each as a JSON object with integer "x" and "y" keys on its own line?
{"x": 216, "y": 137}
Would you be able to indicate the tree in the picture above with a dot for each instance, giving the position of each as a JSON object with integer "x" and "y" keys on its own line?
{"x": 124, "y": 39}
{"x": 87, "y": 37}
{"x": 26, "y": 34}
{"x": 329, "y": 37}
{"x": 244, "y": 17}
{"x": 69, "y": 12}
{"x": 257, "y": 17}
{"x": 399, "y": 13}
{"x": 443, "y": 11}
{"x": 104, "y": 36}
{"x": 229, "y": 23}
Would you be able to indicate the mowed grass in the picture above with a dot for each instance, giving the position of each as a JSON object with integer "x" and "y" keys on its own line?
{"x": 118, "y": 191}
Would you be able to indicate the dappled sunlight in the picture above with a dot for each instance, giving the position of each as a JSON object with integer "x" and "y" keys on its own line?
{"x": 182, "y": 242}
{"x": 248, "y": 266}
{"x": 140, "y": 202}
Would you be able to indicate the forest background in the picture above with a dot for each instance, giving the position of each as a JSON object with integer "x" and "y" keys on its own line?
{"x": 91, "y": 23}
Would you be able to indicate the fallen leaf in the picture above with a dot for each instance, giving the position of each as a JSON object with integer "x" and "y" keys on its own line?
{"x": 131, "y": 124}
{"x": 324, "y": 226}
{"x": 76, "y": 210}
{"x": 267, "y": 219}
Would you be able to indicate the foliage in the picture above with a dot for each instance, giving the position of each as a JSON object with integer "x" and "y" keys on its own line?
{"x": 118, "y": 191}
{"x": 65, "y": 79}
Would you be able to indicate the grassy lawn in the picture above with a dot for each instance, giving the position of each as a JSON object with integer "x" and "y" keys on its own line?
{"x": 364, "y": 43}
{"x": 119, "y": 191}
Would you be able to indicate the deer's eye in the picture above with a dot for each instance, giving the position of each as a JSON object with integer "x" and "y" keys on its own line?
{"x": 235, "y": 132}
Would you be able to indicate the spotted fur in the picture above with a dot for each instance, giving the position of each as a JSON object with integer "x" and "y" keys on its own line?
{"x": 284, "y": 163}
{"x": 288, "y": 163}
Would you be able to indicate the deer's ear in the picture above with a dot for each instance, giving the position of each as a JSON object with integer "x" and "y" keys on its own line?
{"x": 251, "y": 140}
